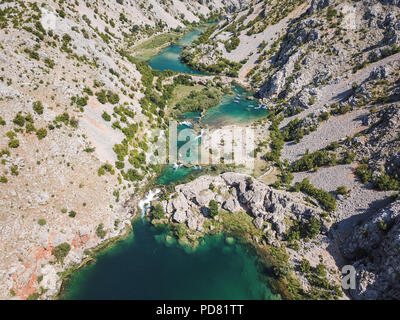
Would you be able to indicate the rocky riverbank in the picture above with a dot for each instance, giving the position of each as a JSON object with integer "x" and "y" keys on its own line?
{"x": 250, "y": 209}
{"x": 268, "y": 219}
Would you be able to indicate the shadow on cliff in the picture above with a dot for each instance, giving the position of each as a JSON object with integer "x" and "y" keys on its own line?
{"x": 341, "y": 230}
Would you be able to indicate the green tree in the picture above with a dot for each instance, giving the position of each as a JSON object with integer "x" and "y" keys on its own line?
{"x": 19, "y": 119}
{"x": 41, "y": 133}
{"x": 305, "y": 266}
{"x": 61, "y": 251}
{"x": 100, "y": 232}
{"x": 38, "y": 107}
{"x": 106, "y": 116}
{"x": 342, "y": 190}
{"x": 213, "y": 206}
{"x": 158, "y": 211}
{"x": 14, "y": 143}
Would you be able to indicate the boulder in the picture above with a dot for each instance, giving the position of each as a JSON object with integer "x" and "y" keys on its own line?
{"x": 232, "y": 205}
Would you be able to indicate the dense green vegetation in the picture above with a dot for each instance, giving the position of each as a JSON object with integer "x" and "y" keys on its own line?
{"x": 324, "y": 198}
{"x": 303, "y": 230}
{"x": 232, "y": 44}
{"x": 315, "y": 159}
{"x": 200, "y": 100}
{"x": 61, "y": 251}
{"x": 321, "y": 158}
{"x": 213, "y": 206}
{"x": 277, "y": 139}
{"x": 158, "y": 211}
{"x": 152, "y": 46}
{"x": 100, "y": 232}
{"x": 385, "y": 182}
{"x": 38, "y": 107}
{"x": 363, "y": 173}
{"x": 382, "y": 182}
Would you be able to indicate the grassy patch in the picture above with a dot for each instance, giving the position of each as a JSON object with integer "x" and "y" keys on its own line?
{"x": 182, "y": 91}
{"x": 239, "y": 224}
{"x": 151, "y": 47}
{"x": 204, "y": 99}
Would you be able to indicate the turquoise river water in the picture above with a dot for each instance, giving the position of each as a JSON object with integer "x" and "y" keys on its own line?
{"x": 150, "y": 264}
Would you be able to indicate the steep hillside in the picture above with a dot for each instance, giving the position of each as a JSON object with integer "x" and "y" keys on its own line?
{"x": 70, "y": 112}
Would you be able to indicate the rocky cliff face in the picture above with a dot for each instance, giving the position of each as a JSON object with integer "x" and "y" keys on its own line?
{"x": 237, "y": 192}
{"x": 374, "y": 250}
{"x": 329, "y": 41}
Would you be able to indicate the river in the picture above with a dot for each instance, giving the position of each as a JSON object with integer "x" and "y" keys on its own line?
{"x": 150, "y": 264}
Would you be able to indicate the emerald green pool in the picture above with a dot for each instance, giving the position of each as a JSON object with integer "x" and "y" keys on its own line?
{"x": 169, "y": 58}
{"x": 151, "y": 265}
{"x": 172, "y": 175}
{"x": 235, "y": 108}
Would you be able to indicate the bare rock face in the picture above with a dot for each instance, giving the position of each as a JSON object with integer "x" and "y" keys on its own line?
{"x": 237, "y": 192}
{"x": 374, "y": 249}
{"x": 381, "y": 144}
{"x": 318, "y": 5}
{"x": 232, "y": 205}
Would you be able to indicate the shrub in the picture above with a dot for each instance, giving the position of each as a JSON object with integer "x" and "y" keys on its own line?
{"x": 38, "y": 107}
{"x": 320, "y": 270}
{"x": 29, "y": 127}
{"x": 4, "y": 152}
{"x": 112, "y": 98}
{"x": 3, "y": 179}
{"x": 88, "y": 91}
{"x": 119, "y": 165}
{"x": 158, "y": 211}
{"x": 348, "y": 157}
{"x": 385, "y": 183}
{"x": 61, "y": 251}
{"x": 316, "y": 159}
{"x": 106, "y": 167}
{"x": 213, "y": 206}
{"x": 14, "y": 170}
{"x": 33, "y": 296}
{"x": 101, "y": 96}
{"x": 41, "y": 222}
{"x": 312, "y": 228}
{"x": 74, "y": 122}
{"x": 331, "y": 13}
{"x": 305, "y": 266}
{"x": 49, "y": 63}
{"x": 64, "y": 118}
{"x": 19, "y": 120}
{"x": 14, "y": 143}
{"x": 106, "y": 116}
{"x": 41, "y": 133}
{"x": 363, "y": 173}
{"x": 100, "y": 232}
{"x": 342, "y": 190}
{"x": 333, "y": 146}
{"x": 324, "y": 198}
{"x": 232, "y": 44}
{"x": 72, "y": 214}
